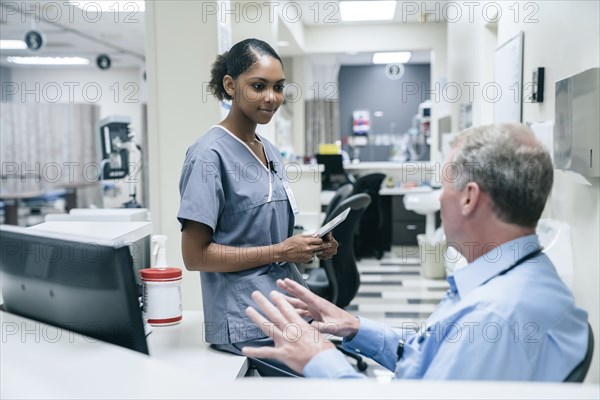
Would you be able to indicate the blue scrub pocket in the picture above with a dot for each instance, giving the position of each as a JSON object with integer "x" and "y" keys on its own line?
{"x": 241, "y": 327}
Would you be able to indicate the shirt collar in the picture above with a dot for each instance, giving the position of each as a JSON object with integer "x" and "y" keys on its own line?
{"x": 492, "y": 263}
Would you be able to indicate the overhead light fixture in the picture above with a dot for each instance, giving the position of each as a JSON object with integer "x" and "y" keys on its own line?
{"x": 13, "y": 45}
{"x": 48, "y": 60}
{"x": 398, "y": 57}
{"x": 367, "y": 10}
{"x": 283, "y": 43}
{"x": 111, "y": 6}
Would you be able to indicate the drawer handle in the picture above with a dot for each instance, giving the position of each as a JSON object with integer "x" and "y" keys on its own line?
{"x": 411, "y": 227}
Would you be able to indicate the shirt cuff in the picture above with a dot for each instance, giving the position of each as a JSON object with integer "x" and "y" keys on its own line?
{"x": 330, "y": 364}
{"x": 368, "y": 340}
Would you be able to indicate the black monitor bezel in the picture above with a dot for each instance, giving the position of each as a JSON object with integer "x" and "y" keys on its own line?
{"x": 42, "y": 302}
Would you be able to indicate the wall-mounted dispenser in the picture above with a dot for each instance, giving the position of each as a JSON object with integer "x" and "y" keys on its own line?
{"x": 577, "y": 123}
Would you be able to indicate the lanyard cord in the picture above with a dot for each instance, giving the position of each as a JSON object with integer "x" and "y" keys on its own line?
{"x": 517, "y": 263}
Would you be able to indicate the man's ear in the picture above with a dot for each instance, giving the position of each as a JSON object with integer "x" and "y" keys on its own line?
{"x": 470, "y": 199}
{"x": 229, "y": 85}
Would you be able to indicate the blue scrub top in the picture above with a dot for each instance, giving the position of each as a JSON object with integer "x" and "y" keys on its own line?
{"x": 225, "y": 186}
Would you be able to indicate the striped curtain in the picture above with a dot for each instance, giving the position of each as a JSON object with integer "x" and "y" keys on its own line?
{"x": 322, "y": 123}
{"x": 50, "y": 146}
{"x": 321, "y": 105}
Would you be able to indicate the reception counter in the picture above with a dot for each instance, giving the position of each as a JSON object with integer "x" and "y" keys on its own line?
{"x": 40, "y": 361}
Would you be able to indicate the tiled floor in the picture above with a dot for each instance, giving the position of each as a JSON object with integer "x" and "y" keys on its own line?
{"x": 392, "y": 291}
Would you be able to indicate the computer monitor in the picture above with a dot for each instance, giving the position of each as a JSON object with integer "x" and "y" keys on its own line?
{"x": 333, "y": 175}
{"x": 78, "y": 285}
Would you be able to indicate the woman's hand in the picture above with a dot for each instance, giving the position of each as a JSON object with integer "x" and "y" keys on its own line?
{"x": 331, "y": 251}
{"x": 302, "y": 248}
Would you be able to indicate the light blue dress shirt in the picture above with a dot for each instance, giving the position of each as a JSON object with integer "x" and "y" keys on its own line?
{"x": 495, "y": 323}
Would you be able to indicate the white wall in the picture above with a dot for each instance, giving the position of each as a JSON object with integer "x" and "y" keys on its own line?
{"x": 180, "y": 48}
{"x": 470, "y": 57}
{"x": 563, "y": 37}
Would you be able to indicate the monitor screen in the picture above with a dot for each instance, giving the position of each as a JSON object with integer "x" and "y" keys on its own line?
{"x": 333, "y": 163}
{"x": 81, "y": 286}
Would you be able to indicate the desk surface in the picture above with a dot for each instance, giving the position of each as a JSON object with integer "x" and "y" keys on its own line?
{"x": 182, "y": 345}
{"x": 386, "y": 166}
{"x": 39, "y": 361}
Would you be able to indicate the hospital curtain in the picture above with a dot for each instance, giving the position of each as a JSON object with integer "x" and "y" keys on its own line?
{"x": 322, "y": 123}
{"x": 50, "y": 146}
{"x": 321, "y": 101}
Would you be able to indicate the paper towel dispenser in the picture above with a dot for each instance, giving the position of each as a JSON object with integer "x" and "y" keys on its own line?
{"x": 577, "y": 123}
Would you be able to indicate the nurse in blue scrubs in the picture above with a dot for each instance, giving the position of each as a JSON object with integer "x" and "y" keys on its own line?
{"x": 237, "y": 210}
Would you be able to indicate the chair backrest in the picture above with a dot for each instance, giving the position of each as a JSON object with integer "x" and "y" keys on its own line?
{"x": 369, "y": 183}
{"x": 580, "y": 371}
{"x": 340, "y": 195}
{"x": 341, "y": 270}
{"x": 369, "y": 242}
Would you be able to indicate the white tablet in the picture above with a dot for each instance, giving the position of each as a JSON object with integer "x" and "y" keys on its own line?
{"x": 333, "y": 223}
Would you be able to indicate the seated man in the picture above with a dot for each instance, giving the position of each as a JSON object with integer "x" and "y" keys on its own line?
{"x": 507, "y": 314}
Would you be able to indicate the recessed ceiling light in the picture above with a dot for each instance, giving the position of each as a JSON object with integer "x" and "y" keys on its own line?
{"x": 13, "y": 45}
{"x": 111, "y": 6}
{"x": 48, "y": 60}
{"x": 399, "y": 57}
{"x": 283, "y": 43}
{"x": 367, "y": 10}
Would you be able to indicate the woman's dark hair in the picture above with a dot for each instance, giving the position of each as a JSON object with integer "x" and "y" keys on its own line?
{"x": 236, "y": 61}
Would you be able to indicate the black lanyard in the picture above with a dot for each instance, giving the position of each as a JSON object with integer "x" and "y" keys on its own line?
{"x": 517, "y": 263}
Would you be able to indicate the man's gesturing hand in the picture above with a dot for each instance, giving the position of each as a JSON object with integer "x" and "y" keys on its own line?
{"x": 296, "y": 342}
{"x": 327, "y": 317}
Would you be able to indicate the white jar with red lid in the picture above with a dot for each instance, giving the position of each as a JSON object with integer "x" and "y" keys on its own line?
{"x": 162, "y": 295}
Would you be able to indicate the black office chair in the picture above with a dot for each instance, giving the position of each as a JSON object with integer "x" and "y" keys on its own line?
{"x": 340, "y": 195}
{"x": 334, "y": 175}
{"x": 338, "y": 279}
{"x": 580, "y": 371}
{"x": 368, "y": 242}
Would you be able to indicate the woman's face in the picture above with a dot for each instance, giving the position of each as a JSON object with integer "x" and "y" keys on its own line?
{"x": 258, "y": 92}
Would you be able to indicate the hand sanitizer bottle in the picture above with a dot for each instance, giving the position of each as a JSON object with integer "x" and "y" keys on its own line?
{"x": 162, "y": 287}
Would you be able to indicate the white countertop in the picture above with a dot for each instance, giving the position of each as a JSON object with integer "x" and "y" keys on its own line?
{"x": 102, "y": 214}
{"x": 110, "y": 232}
{"x": 39, "y": 361}
{"x": 42, "y": 361}
{"x": 183, "y": 345}
{"x": 387, "y": 165}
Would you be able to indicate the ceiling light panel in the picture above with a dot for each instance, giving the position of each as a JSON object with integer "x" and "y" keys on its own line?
{"x": 367, "y": 10}
{"x": 12, "y": 45}
{"x": 48, "y": 60}
{"x": 111, "y": 6}
{"x": 399, "y": 57}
